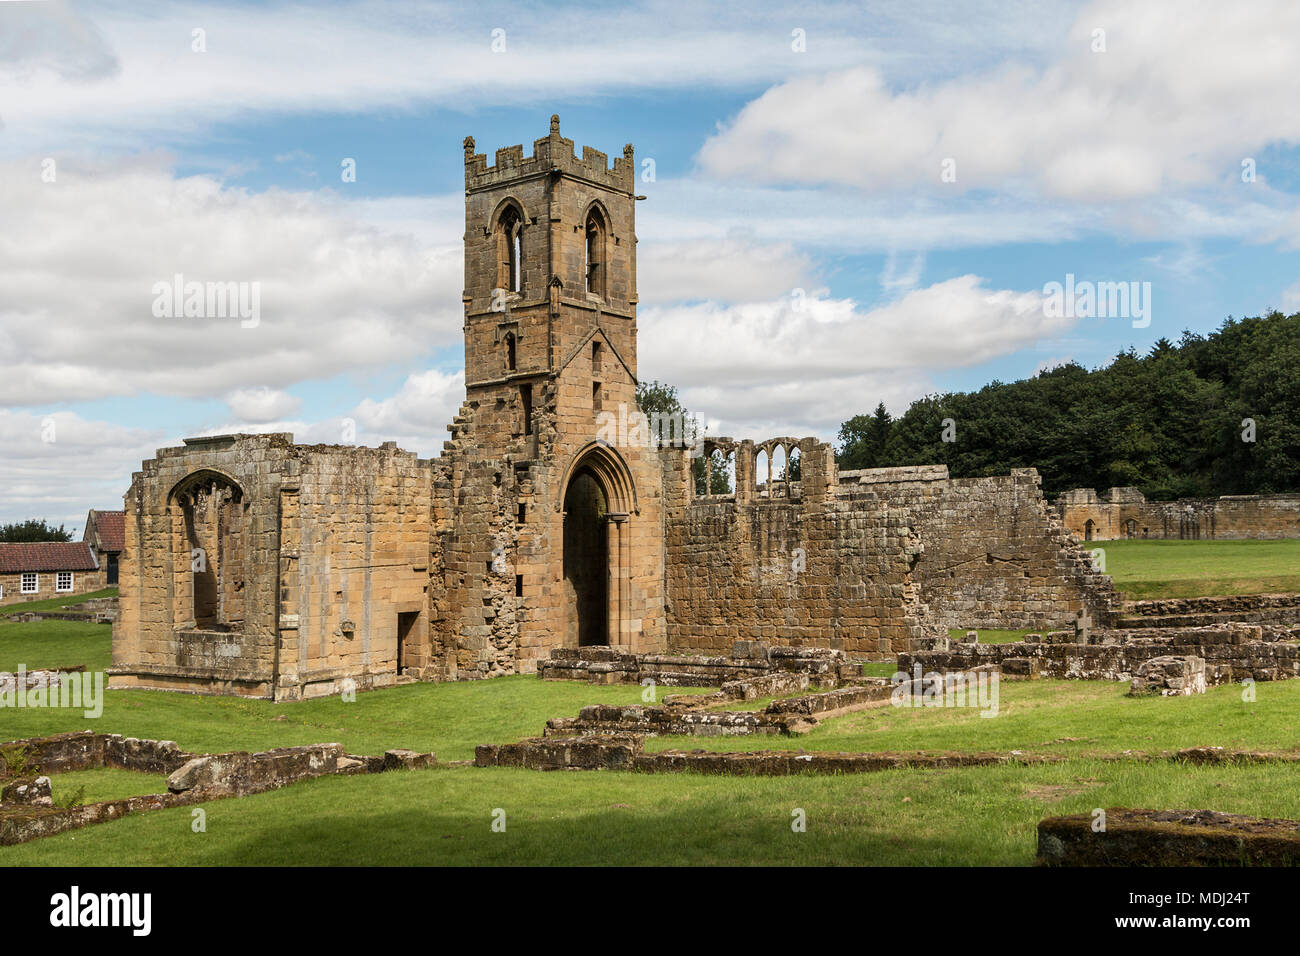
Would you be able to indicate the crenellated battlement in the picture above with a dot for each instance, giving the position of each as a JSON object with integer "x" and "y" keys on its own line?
{"x": 552, "y": 152}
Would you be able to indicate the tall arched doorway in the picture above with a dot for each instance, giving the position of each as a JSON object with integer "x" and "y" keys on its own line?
{"x": 586, "y": 558}
{"x": 598, "y": 502}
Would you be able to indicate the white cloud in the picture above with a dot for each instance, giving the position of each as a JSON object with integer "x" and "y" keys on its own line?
{"x": 79, "y": 259}
{"x": 417, "y": 416}
{"x": 275, "y": 58}
{"x": 807, "y": 366}
{"x": 262, "y": 404}
{"x": 1183, "y": 91}
{"x": 732, "y": 269}
{"x": 1291, "y": 299}
{"x": 60, "y": 465}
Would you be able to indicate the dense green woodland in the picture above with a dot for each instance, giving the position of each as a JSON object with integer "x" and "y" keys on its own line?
{"x": 1169, "y": 423}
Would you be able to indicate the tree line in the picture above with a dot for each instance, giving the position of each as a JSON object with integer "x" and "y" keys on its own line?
{"x": 1214, "y": 414}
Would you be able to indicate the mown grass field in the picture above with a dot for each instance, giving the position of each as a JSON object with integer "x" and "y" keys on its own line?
{"x": 1175, "y": 569}
{"x": 979, "y": 816}
{"x": 1052, "y": 717}
{"x": 442, "y": 816}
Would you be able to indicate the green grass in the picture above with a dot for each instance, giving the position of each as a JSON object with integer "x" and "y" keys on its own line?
{"x": 55, "y": 603}
{"x": 979, "y": 816}
{"x": 1174, "y": 569}
{"x": 1054, "y": 717}
{"x": 990, "y": 635}
{"x": 49, "y": 644}
{"x": 106, "y": 783}
{"x": 449, "y": 719}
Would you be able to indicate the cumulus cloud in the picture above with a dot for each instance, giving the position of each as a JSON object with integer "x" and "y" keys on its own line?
{"x": 1181, "y": 92}
{"x": 792, "y": 362}
{"x": 417, "y": 416}
{"x": 262, "y": 404}
{"x": 736, "y": 268}
{"x": 59, "y": 465}
{"x": 81, "y": 259}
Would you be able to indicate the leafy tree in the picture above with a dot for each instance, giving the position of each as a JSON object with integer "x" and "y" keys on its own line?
{"x": 33, "y": 529}
{"x": 1173, "y": 423}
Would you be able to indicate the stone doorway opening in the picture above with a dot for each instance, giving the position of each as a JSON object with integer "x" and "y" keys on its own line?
{"x": 406, "y": 621}
{"x": 586, "y": 559}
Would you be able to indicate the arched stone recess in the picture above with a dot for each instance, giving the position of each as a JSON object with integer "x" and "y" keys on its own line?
{"x": 209, "y": 551}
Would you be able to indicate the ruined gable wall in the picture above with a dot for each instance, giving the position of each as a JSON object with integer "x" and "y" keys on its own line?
{"x": 994, "y": 554}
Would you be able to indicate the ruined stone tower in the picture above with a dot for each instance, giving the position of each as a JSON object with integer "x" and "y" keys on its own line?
{"x": 253, "y": 565}
{"x": 556, "y": 533}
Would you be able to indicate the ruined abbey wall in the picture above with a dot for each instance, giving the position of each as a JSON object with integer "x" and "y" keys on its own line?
{"x": 552, "y": 519}
{"x": 866, "y": 561}
{"x": 994, "y": 555}
{"x": 1126, "y": 513}
{"x": 258, "y": 567}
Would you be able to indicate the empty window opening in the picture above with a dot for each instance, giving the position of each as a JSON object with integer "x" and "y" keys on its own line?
{"x": 519, "y": 585}
{"x": 595, "y": 397}
{"x": 511, "y": 357}
{"x": 595, "y": 253}
{"x": 526, "y": 404}
{"x": 510, "y": 249}
{"x": 523, "y": 513}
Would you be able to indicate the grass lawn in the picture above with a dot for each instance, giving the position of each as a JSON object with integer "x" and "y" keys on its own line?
{"x": 990, "y": 635}
{"x": 984, "y": 816}
{"x": 55, "y": 603}
{"x": 1056, "y": 717}
{"x": 449, "y": 719}
{"x": 1173, "y": 569}
{"x": 105, "y": 783}
{"x": 55, "y": 644}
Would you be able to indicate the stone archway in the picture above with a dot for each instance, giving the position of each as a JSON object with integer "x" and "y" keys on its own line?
{"x": 586, "y": 560}
{"x": 598, "y": 502}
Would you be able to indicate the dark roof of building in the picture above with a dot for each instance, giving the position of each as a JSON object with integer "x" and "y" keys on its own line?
{"x": 16, "y": 557}
{"x": 110, "y": 527}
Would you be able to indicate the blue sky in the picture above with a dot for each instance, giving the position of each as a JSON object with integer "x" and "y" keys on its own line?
{"x": 802, "y": 254}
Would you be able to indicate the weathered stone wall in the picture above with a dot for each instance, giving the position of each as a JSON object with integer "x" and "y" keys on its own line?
{"x": 992, "y": 553}
{"x": 1168, "y": 838}
{"x": 811, "y": 570}
{"x": 1125, "y": 513}
{"x": 868, "y": 561}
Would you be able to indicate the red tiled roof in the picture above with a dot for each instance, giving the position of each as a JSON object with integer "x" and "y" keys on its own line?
{"x": 111, "y": 526}
{"x": 16, "y": 557}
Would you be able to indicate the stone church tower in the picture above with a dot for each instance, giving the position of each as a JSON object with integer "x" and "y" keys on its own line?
{"x": 552, "y": 515}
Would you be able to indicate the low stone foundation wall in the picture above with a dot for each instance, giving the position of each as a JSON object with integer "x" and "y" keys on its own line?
{"x": 607, "y": 665}
{"x": 599, "y": 752}
{"x": 1168, "y": 838}
{"x": 1282, "y": 609}
{"x": 192, "y": 778}
{"x": 684, "y": 716}
{"x": 1232, "y": 652}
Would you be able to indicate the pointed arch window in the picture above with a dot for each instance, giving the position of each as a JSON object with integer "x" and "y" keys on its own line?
{"x": 594, "y": 259}
{"x": 510, "y": 250}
